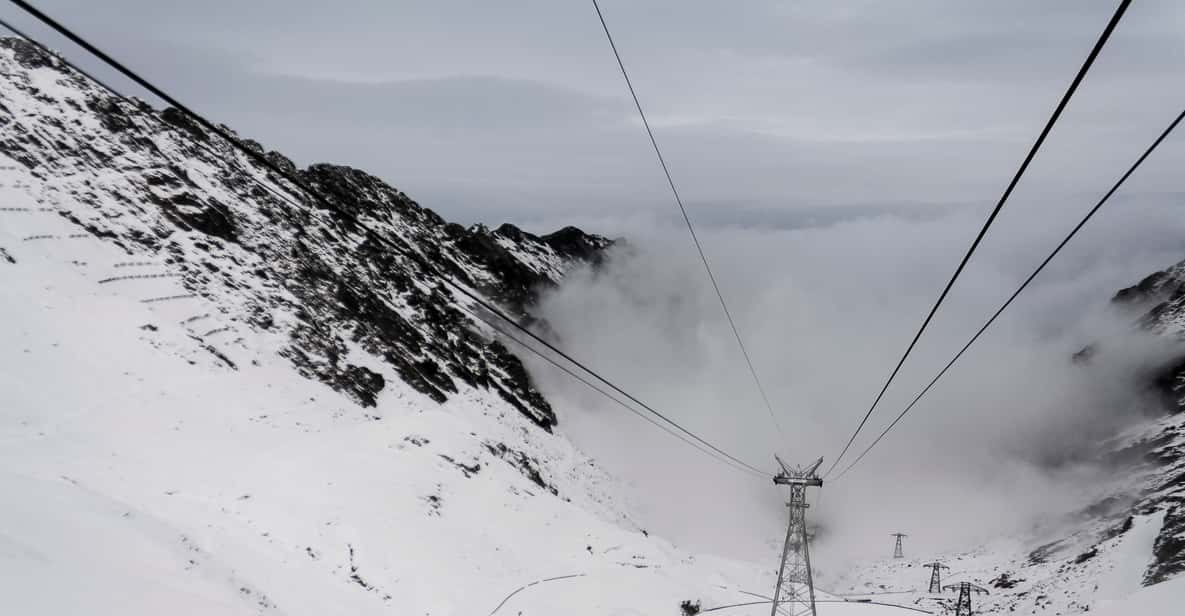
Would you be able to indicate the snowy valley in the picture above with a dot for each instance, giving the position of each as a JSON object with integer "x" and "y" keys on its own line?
{"x": 220, "y": 398}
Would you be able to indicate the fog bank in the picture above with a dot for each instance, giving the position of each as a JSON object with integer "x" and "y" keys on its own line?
{"x": 826, "y": 311}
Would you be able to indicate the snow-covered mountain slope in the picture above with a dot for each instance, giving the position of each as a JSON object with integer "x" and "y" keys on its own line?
{"x": 217, "y": 398}
{"x": 1098, "y": 556}
{"x": 1071, "y": 574}
{"x": 1131, "y": 535}
{"x": 187, "y": 208}
{"x": 1162, "y": 598}
{"x": 142, "y": 477}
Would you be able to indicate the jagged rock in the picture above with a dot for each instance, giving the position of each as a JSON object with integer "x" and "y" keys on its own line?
{"x": 177, "y": 118}
{"x": 281, "y": 161}
{"x": 1005, "y": 580}
{"x": 577, "y": 244}
{"x": 1165, "y": 283}
{"x": 110, "y": 114}
{"x": 27, "y": 54}
{"x": 1169, "y": 549}
{"x": 526, "y": 465}
{"x": 1140, "y": 291}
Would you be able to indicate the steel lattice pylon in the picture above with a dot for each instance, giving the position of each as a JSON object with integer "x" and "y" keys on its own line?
{"x": 794, "y": 594}
{"x": 897, "y": 551}
{"x": 936, "y": 577}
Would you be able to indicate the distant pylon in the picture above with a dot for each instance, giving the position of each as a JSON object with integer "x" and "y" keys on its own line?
{"x": 897, "y": 551}
{"x": 936, "y": 577}
{"x": 795, "y": 590}
{"x": 963, "y": 605}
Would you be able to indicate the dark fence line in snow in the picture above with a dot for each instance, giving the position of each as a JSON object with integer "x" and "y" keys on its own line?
{"x": 166, "y": 298}
{"x": 137, "y": 277}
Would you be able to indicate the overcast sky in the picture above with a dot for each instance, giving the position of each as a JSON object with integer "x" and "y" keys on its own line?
{"x": 771, "y": 112}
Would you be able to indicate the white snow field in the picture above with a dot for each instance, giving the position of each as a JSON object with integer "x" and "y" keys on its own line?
{"x": 141, "y": 475}
{"x": 1164, "y": 598}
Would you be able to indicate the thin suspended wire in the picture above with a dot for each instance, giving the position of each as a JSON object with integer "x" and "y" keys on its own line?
{"x": 1065, "y": 100}
{"x": 460, "y": 288}
{"x": 1106, "y": 197}
{"x": 690, "y": 227}
{"x": 494, "y": 326}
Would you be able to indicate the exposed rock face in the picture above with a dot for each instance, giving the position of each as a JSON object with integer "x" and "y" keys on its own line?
{"x": 1159, "y": 299}
{"x": 1158, "y": 305}
{"x": 156, "y": 184}
{"x": 1164, "y": 285}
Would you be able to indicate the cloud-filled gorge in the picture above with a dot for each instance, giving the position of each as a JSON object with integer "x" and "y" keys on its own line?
{"x": 826, "y": 311}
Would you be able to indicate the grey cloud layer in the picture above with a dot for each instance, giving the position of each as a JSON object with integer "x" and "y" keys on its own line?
{"x": 515, "y": 111}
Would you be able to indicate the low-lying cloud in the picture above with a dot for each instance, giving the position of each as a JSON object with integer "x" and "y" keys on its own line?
{"x": 825, "y": 311}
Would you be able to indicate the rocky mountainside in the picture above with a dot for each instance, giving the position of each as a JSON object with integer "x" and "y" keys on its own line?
{"x": 1132, "y": 535}
{"x": 187, "y": 207}
{"x": 1158, "y": 303}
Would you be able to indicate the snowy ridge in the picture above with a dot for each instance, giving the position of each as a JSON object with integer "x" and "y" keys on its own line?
{"x": 1159, "y": 299}
{"x": 223, "y": 228}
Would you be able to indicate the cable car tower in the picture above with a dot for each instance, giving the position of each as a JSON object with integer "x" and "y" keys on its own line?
{"x": 936, "y": 576}
{"x": 795, "y": 590}
{"x": 963, "y": 605}
{"x": 897, "y": 551}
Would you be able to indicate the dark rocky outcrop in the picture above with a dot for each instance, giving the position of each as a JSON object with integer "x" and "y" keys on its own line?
{"x": 28, "y": 54}
{"x": 577, "y": 244}
{"x": 1169, "y": 549}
